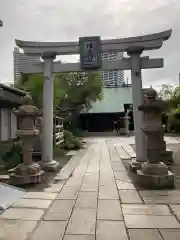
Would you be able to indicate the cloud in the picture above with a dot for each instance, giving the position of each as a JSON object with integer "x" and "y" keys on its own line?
{"x": 54, "y": 20}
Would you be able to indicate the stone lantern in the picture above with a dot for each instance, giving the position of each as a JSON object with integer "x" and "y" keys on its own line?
{"x": 154, "y": 173}
{"x": 28, "y": 171}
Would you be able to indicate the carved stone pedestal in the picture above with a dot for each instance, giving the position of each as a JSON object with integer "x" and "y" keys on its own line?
{"x": 26, "y": 174}
{"x": 155, "y": 176}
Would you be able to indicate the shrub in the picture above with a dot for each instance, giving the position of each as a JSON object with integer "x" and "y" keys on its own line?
{"x": 68, "y": 136}
{"x": 70, "y": 141}
{"x": 174, "y": 120}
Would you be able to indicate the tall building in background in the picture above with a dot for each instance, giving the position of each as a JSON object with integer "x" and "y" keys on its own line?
{"x": 22, "y": 58}
{"x": 112, "y": 78}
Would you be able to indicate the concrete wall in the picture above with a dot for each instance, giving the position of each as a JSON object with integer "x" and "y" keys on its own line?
{"x": 8, "y": 124}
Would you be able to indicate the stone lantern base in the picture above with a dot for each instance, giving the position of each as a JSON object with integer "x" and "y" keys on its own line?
{"x": 155, "y": 176}
{"x": 26, "y": 174}
{"x": 167, "y": 157}
{"x": 135, "y": 165}
{"x": 49, "y": 166}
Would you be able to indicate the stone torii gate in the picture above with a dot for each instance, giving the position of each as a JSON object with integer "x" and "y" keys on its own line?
{"x": 133, "y": 46}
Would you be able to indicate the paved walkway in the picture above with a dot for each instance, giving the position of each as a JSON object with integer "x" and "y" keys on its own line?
{"x": 98, "y": 201}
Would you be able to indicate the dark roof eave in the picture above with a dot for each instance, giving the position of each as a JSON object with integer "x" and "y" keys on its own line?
{"x": 14, "y": 90}
{"x": 9, "y": 102}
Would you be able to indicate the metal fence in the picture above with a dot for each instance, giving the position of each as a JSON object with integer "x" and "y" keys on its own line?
{"x": 58, "y": 131}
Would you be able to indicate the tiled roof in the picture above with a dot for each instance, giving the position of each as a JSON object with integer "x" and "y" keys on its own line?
{"x": 113, "y": 100}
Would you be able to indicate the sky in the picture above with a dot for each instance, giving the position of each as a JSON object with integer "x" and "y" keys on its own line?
{"x": 67, "y": 20}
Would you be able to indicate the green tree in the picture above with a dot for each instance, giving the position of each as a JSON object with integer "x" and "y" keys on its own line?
{"x": 72, "y": 89}
{"x": 174, "y": 101}
{"x": 166, "y": 92}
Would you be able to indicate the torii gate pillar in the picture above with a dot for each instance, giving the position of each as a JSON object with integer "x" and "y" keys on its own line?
{"x": 48, "y": 98}
{"x": 136, "y": 79}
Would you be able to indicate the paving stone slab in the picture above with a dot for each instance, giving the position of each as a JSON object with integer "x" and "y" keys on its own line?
{"x": 109, "y": 210}
{"x": 114, "y": 156}
{"x": 22, "y": 214}
{"x": 106, "y": 174}
{"x": 118, "y": 167}
{"x": 128, "y": 148}
{"x": 155, "y": 193}
{"x": 90, "y": 179}
{"x": 107, "y": 193}
{"x": 86, "y": 200}
{"x": 122, "y": 176}
{"x": 170, "y": 234}
{"x": 32, "y": 203}
{"x": 60, "y": 210}
{"x": 74, "y": 182}
{"x": 161, "y": 197}
{"x": 67, "y": 170}
{"x": 150, "y": 221}
{"x": 93, "y": 168}
{"x": 16, "y": 230}
{"x": 144, "y": 234}
{"x": 129, "y": 196}
{"x": 114, "y": 230}
{"x": 40, "y": 195}
{"x": 91, "y": 176}
{"x": 89, "y": 187}
{"x": 49, "y": 230}
{"x": 63, "y": 176}
{"x": 68, "y": 193}
{"x": 9, "y": 194}
{"x": 145, "y": 209}
{"x": 122, "y": 154}
{"x": 79, "y": 237}
{"x": 121, "y": 185}
{"x": 108, "y": 182}
{"x": 55, "y": 187}
{"x": 82, "y": 221}
{"x": 176, "y": 210}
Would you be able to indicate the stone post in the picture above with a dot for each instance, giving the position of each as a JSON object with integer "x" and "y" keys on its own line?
{"x": 28, "y": 171}
{"x": 126, "y": 125}
{"x": 136, "y": 79}
{"x": 47, "y": 162}
{"x": 154, "y": 173}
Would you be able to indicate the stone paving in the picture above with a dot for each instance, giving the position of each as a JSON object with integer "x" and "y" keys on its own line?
{"x": 98, "y": 200}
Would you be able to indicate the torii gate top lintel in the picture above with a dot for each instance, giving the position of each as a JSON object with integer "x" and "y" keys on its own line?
{"x": 147, "y": 42}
